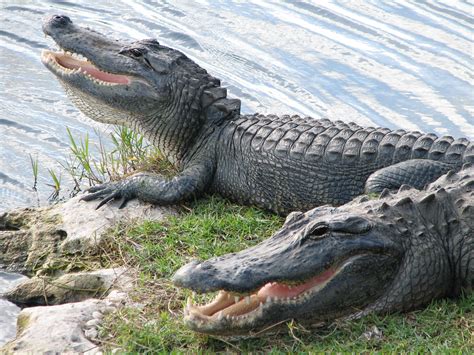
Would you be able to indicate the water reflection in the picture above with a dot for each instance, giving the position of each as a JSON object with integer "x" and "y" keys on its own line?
{"x": 8, "y": 311}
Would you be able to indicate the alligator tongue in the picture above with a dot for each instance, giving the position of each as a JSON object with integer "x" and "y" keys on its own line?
{"x": 224, "y": 303}
{"x": 71, "y": 63}
{"x": 280, "y": 290}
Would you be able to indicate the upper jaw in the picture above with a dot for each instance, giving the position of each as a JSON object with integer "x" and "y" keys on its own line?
{"x": 85, "y": 49}
{"x": 341, "y": 291}
{"x": 67, "y": 65}
{"x": 234, "y": 313}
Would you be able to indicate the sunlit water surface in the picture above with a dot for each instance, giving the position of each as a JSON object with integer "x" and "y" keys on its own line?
{"x": 406, "y": 64}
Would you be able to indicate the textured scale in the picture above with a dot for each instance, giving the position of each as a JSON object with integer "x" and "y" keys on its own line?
{"x": 281, "y": 163}
{"x": 398, "y": 253}
{"x": 288, "y": 163}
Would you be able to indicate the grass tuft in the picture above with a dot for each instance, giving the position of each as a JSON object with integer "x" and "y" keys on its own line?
{"x": 34, "y": 169}
{"x": 214, "y": 227}
{"x": 90, "y": 164}
{"x": 210, "y": 228}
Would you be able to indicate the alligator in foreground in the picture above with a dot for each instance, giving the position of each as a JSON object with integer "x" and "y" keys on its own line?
{"x": 393, "y": 254}
{"x": 280, "y": 163}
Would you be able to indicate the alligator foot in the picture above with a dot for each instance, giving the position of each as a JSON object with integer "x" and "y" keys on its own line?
{"x": 416, "y": 173}
{"x": 124, "y": 190}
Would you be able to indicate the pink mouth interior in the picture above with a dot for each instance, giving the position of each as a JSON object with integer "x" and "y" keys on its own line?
{"x": 230, "y": 304}
{"x": 281, "y": 290}
{"x": 71, "y": 63}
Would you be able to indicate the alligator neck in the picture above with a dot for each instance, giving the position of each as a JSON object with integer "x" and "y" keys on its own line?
{"x": 443, "y": 220}
{"x": 174, "y": 126}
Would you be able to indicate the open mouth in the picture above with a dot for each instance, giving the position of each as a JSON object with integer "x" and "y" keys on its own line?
{"x": 68, "y": 63}
{"x": 234, "y": 306}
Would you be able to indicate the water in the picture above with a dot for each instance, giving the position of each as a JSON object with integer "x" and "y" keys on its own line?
{"x": 395, "y": 64}
{"x": 8, "y": 311}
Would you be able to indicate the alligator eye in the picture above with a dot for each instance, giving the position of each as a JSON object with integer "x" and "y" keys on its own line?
{"x": 351, "y": 225}
{"x": 135, "y": 52}
{"x": 132, "y": 52}
{"x": 317, "y": 231}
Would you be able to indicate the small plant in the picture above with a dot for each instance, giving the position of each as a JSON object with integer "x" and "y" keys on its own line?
{"x": 34, "y": 168}
{"x": 90, "y": 164}
{"x": 56, "y": 184}
{"x": 82, "y": 165}
{"x": 95, "y": 164}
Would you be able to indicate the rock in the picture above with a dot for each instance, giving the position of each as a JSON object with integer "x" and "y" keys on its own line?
{"x": 84, "y": 224}
{"x": 97, "y": 315}
{"x": 69, "y": 327}
{"x": 74, "y": 287}
{"x": 374, "y": 334}
{"x": 91, "y": 333}
{"x": 32, "y": 238}
{"x": 54, "y": 329}
{"x": 37, "y": 242}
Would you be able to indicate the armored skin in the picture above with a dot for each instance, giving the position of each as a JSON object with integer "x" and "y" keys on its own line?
{"x": 279, "y": 163}
{"x": 393, "y": 254}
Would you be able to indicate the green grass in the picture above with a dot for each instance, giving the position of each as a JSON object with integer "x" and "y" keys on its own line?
{"x": 214, "y": 227}
{"x": 90, "y": 163}
{"x": 211, "y": 227}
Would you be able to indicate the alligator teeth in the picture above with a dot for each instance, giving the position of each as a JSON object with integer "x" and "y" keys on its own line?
{"x": 236, "y": 299}
{"x": 247, "y": 300}
{"x": 189, "y": 302}
{"x": 220, "y": 316}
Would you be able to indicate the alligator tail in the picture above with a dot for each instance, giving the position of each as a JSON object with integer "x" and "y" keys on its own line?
{"x": 397, "y": 146}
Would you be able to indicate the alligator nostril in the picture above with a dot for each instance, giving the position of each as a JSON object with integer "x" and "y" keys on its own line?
{"x": 60, "y": 20}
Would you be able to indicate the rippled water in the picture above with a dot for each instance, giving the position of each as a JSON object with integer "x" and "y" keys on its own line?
{"x": 396, "y": 64}
{"x": 8, "y": 311}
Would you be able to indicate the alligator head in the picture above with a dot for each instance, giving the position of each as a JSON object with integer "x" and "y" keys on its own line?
{"x": 144, "y": 85}
{"x": 392, "y": 254}
{"x": 321, "y": 265}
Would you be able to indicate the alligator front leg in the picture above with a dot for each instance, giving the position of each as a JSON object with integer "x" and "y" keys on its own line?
{"x": 154, "y": 188}
{"x": 415, "y": 173}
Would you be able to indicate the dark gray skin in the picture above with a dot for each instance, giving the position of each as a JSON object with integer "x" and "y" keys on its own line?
{"x": 393, "y": 254}
{"x": 279, "y": 163}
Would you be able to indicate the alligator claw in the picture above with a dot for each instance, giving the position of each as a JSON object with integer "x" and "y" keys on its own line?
{"x": 112, "y": 196}
{"x": 123, "y": 203}
{"x": 97, "y": 188}
{"x": 109, "y": 191}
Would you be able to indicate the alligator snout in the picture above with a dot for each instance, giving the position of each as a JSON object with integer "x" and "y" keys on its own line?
{"x": 56, "y": 22}
{"x": 60, "y": 20}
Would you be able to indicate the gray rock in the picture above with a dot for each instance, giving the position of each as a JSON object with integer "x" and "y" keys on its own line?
{"x": 54, "y": 329}
{"x": 32, "y": 241}
{"x": 84, "y": 225}
{"x": 74, "y": 287}
{"x": 32, "y": 238}
{"x": 69, "y": 327}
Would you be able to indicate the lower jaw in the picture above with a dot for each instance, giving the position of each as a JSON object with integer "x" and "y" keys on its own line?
{"x": 64, "y": 64}
{"x": 228, "y": 306}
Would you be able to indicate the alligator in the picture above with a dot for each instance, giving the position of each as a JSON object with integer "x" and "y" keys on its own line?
{"x": 279, "y": 163}
{"x": 392, "y": 254}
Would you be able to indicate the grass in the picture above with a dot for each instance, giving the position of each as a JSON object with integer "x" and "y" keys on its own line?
{"x": 90, "y": 164}
{"x": 214, "y": 227}
{"x": 34, "y": 169}
{"x": 211, "y": 227}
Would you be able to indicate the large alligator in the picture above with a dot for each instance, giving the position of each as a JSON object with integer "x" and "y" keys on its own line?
{"x": 392, "y": 254}
{"x": 280, "y": 163}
